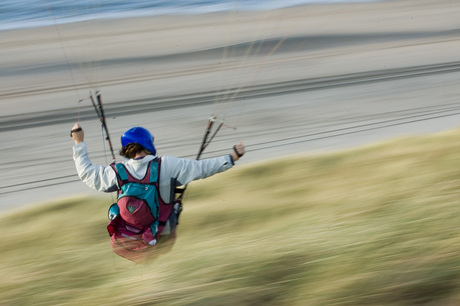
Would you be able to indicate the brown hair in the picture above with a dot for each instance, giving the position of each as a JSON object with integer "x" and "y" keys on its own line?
{"x": 131, "y": 150}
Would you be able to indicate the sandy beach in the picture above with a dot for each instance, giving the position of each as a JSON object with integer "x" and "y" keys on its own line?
{"x": 302, "y": 80}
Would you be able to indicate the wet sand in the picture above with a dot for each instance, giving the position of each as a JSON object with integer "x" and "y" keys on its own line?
{"x": 303, "y": 80}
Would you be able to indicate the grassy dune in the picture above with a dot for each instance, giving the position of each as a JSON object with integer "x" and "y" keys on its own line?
{"x": 377, "y": 225}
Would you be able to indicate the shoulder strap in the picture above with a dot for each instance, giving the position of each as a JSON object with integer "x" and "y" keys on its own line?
{"x": 120, "y": 176}
{"x": 153, "y": 173}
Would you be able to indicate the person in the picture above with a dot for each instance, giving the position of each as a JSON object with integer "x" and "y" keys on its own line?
{"x": 139, "y": 151}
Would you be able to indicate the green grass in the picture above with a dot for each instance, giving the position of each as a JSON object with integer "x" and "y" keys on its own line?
{"x": 376, "y": 225}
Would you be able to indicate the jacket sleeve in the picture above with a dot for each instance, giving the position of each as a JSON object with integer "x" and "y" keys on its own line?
{"x": 100, "y": 178}
{"x": 186, "y": 170}
{"x": 181, "y": 171}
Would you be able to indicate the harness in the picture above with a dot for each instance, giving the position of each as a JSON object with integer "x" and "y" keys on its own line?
{"x": 140, "y": 215}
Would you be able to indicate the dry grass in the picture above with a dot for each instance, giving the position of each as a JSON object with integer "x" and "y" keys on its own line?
{"x": 372, "y": 226}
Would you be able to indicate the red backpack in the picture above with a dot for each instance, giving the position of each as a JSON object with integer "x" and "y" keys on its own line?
{"x": 139, "y": 216}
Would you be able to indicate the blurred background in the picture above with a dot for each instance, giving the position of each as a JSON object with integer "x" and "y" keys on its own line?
{"x": 288, "y": 78}
{"x": 285, "y": 76}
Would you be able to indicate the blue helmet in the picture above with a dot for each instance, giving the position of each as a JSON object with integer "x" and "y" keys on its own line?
{"x": 141, "y": 136}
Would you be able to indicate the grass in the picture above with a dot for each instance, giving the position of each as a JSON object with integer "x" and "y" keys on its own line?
{"x": 376, "y": 225}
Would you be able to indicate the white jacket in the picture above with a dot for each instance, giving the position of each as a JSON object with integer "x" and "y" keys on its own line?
{"x": 174, "y": 171}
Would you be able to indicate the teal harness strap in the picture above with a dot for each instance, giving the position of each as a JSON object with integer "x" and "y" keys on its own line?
{"x": 122, "y": 173}
{"x": 154, "y": 205}
{"x": 154, "y": 166}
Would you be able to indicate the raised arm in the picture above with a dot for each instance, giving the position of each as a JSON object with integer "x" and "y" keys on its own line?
{"x": 97, "y": 177}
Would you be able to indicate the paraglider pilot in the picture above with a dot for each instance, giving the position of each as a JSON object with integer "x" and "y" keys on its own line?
{"x": 146, "y": 209}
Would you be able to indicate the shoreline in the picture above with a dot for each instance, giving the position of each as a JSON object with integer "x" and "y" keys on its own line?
{"x": 152, "y": 12}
